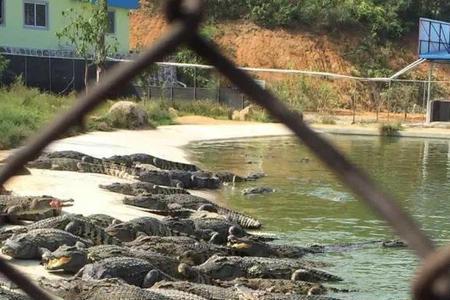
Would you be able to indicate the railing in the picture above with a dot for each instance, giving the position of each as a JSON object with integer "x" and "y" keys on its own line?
{"x": 431, "y": 281}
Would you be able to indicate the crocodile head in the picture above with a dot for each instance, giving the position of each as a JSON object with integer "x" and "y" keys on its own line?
{"x": 66, "y": 258}
{"x": 191, "y": 257}
{"x": 246, "y": 247}
{"x": 115, "y": 187}
{"x": 20, "y": 246}
{"x": 122, "y": 231}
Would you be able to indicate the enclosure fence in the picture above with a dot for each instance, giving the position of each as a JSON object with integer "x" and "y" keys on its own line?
{"x": 431, "y": 281}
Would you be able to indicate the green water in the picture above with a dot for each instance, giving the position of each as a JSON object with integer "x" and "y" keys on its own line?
{"x": 311, "y": 206}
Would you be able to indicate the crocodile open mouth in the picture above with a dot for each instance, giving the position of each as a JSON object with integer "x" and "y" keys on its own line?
{"x": 57, "y": 263}
{"x": 239, "y": 246}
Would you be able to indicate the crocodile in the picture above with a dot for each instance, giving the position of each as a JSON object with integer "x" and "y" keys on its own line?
{"x": 128, "y": 231}
{"x": 235, "y": 292}
{"x": 57, "y": 164}
{"x": 248, "y": 247}
{"x": 137, "y": 188}
{"x": 10, "y": 203}
{"x": 35, "y": 243}
{"x": 152, "y": 160}
{"x": 282, "y": 286}
{"x": 72, "y": 258}
{"x": 111, "y": 289}
{"x": 177, "y": 178}
{"x": 231, "y": 267}
{"x": 169, "y": 203}
{"x": 185, "y": 249}
{"x": 358, "y": 246}
{"x": 246, "y": 293}
{"x": 206, "y": 228}
{"x": 134, "y": 271}
{"x": 70, "y": 154}
{"x": 75, "y": 224}
{"x": 207, "y": 291}
{"x": 257, "y": 190}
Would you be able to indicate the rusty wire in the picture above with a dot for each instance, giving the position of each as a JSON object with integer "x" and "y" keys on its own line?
{"x": 185, "y": 16}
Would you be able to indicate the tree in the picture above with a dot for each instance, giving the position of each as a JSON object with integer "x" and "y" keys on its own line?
{"x": 86, "y": 31}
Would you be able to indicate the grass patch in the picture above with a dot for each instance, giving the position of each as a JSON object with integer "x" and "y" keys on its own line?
{"x": 24, "y": 110}
{"x": 205, "y": 108}
{"x": 390, "y": 129}
{"x": 328, "y": 120}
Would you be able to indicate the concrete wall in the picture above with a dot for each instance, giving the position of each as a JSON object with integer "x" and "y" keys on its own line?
{"x": 13, "y": 33}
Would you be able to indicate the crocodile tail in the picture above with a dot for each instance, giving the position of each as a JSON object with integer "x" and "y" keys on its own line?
{"x": 244, "y": 221}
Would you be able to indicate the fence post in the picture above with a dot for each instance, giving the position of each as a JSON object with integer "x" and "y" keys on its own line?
{"x": 26, "y": 71}
{"x": 73, "y": 75}
{"x": 195, "y": 83}
{"x": 50, "y": 73}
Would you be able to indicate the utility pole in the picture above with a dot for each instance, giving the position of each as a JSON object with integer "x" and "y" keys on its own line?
{"x": 101, "y": 42}
{"x": 430, "y": 78}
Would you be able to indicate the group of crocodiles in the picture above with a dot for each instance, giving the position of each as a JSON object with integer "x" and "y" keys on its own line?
{"x": 195, "y": 249}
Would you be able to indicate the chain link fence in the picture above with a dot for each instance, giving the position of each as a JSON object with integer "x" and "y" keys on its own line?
{"x": 431, "y": 281}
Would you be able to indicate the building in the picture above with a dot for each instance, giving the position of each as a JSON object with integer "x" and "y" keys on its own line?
{"x": 33, "y": 24}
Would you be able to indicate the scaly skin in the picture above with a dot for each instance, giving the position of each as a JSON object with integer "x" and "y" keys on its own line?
{"x": 57, "y": 164}
{"x": 231, "y": 267}
{"x": 247, "y": 247}
{"x": 210, "y": 292}
{"x": 9, "y": 295}
{"x": 72, "y": 258}
{"x": 173, "y": 202}
{"x": 205, "y": 226}
{"x": 132, "y": 270}
{"x": 29, "y": 245}
{"x": 187, "y": 250}
{"x": 106, "y": 168}
{"x": 282, "y": 286}
{"x": 137, "y": 188}
{"x": 152, "y": 160}
{"x": 246, "y": 293}
{"x": 111, "y": 289}
{"x": 128, "y": 231}
{"x": 103, "y": 220}
{"x": 75, "y": 224}
{"x": 177, "y": 294}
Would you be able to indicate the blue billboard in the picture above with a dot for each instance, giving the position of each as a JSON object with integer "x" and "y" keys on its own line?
{"x": 128, "y": 4}
{"x": 434, "y": 39}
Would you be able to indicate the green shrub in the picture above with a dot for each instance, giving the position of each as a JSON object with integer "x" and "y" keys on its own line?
{"x": 158, "y": 113}
{"x": 207, "y": 108}
{"x": 273, "y": 13}
{"x": 328, "y": 120}
{"x": 391, "y": 129}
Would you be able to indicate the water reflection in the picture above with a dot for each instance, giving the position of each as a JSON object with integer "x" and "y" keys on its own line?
{"x": 312, "y": 206}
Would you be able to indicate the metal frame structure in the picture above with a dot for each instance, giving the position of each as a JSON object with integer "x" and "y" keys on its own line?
{"x": 184, "y": 17}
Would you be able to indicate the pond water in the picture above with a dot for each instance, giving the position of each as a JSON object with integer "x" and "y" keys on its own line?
{"x": 310, "y": 205}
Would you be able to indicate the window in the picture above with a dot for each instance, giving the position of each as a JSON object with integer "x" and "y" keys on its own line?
{"x": 2, "y": 12}
{"x": 35, "y": 14}
{"x": 111, "y": 22}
